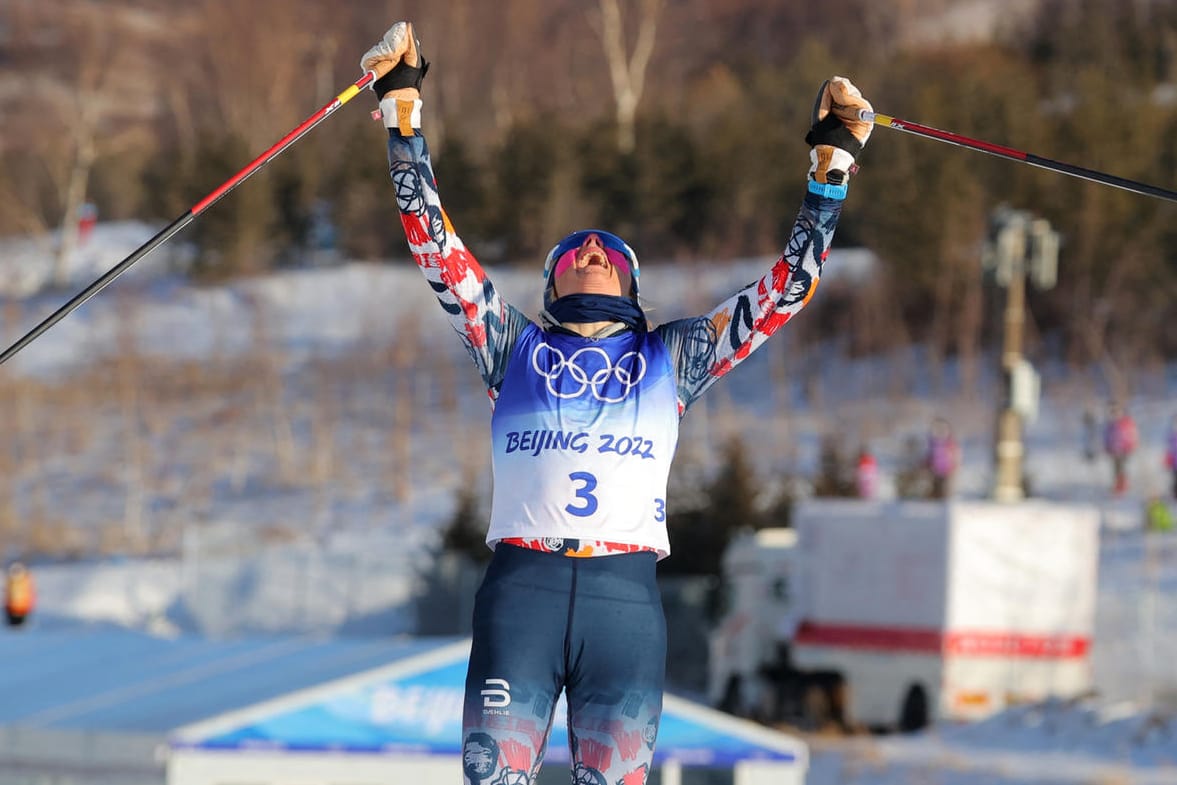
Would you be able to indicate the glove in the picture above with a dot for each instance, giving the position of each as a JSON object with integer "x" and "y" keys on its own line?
{"x": 397, "y": 62}
{"x": 837, "y": 135}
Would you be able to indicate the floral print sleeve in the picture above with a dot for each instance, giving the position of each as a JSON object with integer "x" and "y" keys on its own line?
{"x": 487, "y": 324}
{"x": 707, "y": 347}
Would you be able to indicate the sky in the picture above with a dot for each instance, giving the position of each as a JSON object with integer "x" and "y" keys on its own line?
{"x": 1127, "y": 733}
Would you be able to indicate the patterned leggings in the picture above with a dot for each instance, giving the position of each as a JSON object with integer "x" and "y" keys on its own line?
{"x": 592, "y": 627}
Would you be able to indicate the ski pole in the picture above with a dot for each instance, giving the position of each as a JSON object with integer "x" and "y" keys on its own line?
{"x": 1017, "y": 155}
{"x": 165, "y": 234}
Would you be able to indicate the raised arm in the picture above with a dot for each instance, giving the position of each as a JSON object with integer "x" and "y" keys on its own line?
{"x": 707, "y": 347}
{"x": 487, "y": 324}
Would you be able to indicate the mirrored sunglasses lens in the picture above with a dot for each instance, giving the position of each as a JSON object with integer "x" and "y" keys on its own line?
{"x": 616, "y": 258}
{"x": 565, "y": 252}
{"x": 564, "y": 261}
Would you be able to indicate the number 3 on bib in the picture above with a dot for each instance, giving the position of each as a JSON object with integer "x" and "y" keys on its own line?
{"x": 588, "y": 484}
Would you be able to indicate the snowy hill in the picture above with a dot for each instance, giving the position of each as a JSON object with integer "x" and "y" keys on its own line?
{"x": 204, "y": 463}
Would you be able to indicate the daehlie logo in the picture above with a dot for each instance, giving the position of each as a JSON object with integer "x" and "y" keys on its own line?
{"x": 496, "y": 698}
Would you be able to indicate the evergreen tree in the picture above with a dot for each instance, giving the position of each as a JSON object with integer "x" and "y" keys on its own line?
{"x": 466, "y": 531}
{"x": 523, "y": 171}
{"x": 835, "y": 476}
{"x": 236, "y": 235}
{"x": 699, "y": 536}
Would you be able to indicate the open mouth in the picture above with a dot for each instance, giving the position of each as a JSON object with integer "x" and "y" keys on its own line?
{"x": 593, "y": 257}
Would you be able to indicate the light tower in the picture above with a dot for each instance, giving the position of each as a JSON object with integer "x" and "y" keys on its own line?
{"x": 1020, "y": 246}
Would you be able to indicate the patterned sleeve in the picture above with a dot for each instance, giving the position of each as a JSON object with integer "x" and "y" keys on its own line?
{"x": 487, "y": 324}
{"x": 707, "y": 347}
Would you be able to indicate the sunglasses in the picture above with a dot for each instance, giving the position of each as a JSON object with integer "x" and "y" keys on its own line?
{"x": 619, "y": 254}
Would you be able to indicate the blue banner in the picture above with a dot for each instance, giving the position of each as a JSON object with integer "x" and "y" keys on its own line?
{"x": 422, "y": 714}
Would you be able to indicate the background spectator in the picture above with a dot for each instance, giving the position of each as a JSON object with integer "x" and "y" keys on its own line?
{"x": 866, "y": 474}
{"x": 1119, "y": 442}
{"x": 943, "y": 458}
{"x": 1171, "y": 454}
{"x": 19, "y": 594}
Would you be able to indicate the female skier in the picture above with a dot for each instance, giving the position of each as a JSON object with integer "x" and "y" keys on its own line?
{"x": 586, "y": 407}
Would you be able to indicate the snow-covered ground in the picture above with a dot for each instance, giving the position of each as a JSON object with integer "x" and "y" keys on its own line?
{"x": 232, "y": 579}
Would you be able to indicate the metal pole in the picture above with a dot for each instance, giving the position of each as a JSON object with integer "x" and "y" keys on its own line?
{"x": 1010, "y": 450}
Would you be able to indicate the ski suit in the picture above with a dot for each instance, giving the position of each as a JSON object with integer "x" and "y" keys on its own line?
{"x": 1119, "y": 440}
{"x": 583, "y": 432}
{"x": 943, "y": 458}
{"x": 1171, "y": 455}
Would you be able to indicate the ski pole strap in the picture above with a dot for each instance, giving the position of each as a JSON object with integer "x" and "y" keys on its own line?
{"x": 832, "y": 131}
{"x": 401, "y": 75}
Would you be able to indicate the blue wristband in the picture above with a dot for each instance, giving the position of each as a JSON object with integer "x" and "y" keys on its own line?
{"x": 828, "y": 190}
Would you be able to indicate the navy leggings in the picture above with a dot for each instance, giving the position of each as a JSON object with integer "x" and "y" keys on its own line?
{"x": 544, "y": 622}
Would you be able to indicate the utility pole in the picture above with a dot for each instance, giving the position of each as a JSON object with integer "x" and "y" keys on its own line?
{"x": 1019, "y": 246}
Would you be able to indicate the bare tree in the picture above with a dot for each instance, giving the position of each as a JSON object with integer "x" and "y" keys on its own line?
{"x": 88, "y": 103}
{"x": 259, "y": 79}
{"x": 627, "y": 72}
{"x": 403, "y": 356}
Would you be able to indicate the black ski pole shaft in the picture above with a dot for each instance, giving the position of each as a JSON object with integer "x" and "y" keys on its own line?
{"x": 1018, "y": 155}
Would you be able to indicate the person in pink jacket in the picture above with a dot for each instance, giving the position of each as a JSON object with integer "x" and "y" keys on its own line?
{"x": 1120, "y": 439}
{"x": 1171, "y": 454}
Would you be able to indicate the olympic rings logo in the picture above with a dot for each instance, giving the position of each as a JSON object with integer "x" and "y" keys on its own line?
{"x": 588, "y": 369}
